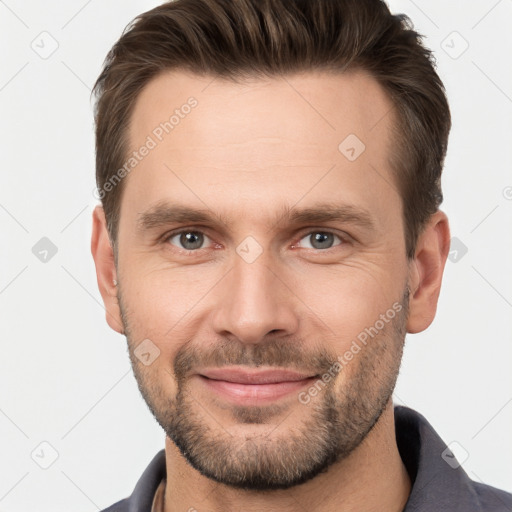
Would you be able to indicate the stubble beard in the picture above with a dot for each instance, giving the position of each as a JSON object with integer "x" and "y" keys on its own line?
{"x": 279, "y": 456}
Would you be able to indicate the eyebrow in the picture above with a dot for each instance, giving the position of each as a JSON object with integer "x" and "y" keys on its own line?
{"x": 164, "y": 213}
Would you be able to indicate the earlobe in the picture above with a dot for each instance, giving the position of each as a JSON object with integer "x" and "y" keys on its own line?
{"x": 426, "y": 272}
{"x": 103, "y": 256}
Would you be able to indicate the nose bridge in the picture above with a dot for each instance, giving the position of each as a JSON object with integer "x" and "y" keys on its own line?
{"x": 254, "y": 301}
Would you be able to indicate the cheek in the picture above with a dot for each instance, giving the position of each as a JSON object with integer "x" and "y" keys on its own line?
{"x": 162, "y": 293}
{"x": 350, "y": 298}
{"x": 163, "y": 304}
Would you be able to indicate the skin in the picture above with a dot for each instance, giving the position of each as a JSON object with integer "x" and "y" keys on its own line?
{"x": 295, "y": 306}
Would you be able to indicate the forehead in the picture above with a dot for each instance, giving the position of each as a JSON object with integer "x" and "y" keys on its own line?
{"x": 330, "y": 104}
{"x": 245, "y": 146}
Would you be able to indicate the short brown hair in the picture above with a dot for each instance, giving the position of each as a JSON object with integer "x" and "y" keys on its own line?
{"x": 234, "y": 39}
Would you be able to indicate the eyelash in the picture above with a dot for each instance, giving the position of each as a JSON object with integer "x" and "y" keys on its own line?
{"x": 165, "y": 239}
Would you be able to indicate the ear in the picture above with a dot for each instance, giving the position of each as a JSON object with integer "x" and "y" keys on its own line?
{"x": 426, "y": 272}
{"x": 103, "y": 255}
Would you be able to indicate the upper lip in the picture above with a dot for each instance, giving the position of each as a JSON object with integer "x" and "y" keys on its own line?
{"x": 254, "y": 376}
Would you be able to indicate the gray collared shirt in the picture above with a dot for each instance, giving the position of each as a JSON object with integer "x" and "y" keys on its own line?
{"x": 439, "y": 484}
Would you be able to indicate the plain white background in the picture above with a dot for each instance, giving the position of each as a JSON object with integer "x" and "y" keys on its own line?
{"x": 65, "y": 378}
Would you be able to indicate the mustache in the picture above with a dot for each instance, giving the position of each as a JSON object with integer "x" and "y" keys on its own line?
{"x": 275, "y": 352}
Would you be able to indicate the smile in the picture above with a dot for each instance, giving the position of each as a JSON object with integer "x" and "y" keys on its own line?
{"x": 246, "y": 387}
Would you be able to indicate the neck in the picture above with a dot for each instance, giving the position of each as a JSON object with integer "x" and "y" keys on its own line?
{"x": 372, "y": 478}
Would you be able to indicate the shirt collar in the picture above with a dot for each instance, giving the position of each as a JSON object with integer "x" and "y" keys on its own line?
{"x": 438, "y": 480}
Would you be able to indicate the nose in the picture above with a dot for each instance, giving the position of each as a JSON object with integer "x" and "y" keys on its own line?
{"x": 254, "y": 301}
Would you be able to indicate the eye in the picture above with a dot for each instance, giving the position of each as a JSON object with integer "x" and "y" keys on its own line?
{"x": 188, "y": 240}
{"x": 319, "y": 240}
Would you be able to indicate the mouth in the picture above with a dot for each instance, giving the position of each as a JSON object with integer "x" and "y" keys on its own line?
{"x": 245, "y": 386}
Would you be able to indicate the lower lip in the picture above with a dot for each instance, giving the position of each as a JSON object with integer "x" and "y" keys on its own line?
{"x": 249, "y": 394}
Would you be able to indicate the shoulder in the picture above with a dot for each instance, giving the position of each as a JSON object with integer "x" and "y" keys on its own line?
{"x": 492, "y": 499}
{"x": 439, "y": 482}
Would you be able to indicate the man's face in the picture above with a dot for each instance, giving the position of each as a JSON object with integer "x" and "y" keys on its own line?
{"x": 252, "y": 303}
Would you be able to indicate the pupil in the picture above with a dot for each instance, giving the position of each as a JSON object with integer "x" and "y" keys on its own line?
{"x": 191, "y": 240}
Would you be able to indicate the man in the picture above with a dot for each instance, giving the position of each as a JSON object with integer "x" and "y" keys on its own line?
{"x": 269, "y": 232}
